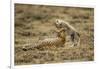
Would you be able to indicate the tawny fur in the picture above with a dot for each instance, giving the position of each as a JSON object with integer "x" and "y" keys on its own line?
{"x": 74, "y": 34}
{"x": 58, "y": 41}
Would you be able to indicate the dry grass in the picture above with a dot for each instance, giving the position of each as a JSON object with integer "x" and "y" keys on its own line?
{"x": 36, "y": 22}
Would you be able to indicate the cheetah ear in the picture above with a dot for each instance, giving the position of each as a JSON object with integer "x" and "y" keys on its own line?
{"x": 57, "y": 31}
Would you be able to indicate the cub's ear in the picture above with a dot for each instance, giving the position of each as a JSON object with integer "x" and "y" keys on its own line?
{"x": 57, "y": 31}
{"x": 54, "y": 31}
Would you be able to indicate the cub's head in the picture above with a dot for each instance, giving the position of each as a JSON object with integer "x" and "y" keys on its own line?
{"x": 58, "y": 23}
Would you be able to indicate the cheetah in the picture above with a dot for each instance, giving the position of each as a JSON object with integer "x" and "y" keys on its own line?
{"x": 74, "y": 34}
{"x": 57, "y": 41}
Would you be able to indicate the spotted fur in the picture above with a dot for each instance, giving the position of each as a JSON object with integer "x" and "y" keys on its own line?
{"x": 58, "y": 41}
{"x": 74, "y": 34}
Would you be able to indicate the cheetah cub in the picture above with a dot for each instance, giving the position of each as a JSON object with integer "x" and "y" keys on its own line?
{"x": 74, "y": 34}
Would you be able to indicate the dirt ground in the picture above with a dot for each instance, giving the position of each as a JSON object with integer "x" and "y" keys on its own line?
{"x": 36, "y": 22}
